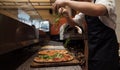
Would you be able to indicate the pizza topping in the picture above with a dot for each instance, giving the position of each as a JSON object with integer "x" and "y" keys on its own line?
{"x": 45, "y": 57}
{"x": 56, "y": 55}
{"x": 51, "y": 52}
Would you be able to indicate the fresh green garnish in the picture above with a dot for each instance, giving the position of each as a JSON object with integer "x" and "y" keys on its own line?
{"x": 57, "y": 17}
{"x": 44, "y": 56}
{"x": 56, "y": 55}
{"x": 57, "y": 20}
{"x": 66, "y": 42}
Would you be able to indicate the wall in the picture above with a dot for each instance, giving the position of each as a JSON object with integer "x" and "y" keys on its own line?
{"x": 118, "y": 19}
{"x": 46, "y": 15}
{"x": 15, "y": 34}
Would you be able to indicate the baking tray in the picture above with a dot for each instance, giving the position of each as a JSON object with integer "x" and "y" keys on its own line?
{"x": 75, "y": 61}
{"x": 67, "y": 63}
{"x": 55, "y": 64}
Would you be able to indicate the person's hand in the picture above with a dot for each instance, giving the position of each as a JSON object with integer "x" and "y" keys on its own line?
{"x": 63, "y": 11}
{"x": 59, "y": 3}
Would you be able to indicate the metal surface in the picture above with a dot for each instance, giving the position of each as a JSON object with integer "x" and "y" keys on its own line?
{"x": 31, "y": 7}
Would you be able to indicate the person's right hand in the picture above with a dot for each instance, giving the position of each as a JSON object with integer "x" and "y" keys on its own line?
{"x": 63, "y": 11}
{"x": 58, "y": 4}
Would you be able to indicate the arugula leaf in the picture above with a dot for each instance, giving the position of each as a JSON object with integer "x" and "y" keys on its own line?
{"x": 57, "y": 17}
{"x": 66, "y": 42}
{"x": 56, "y": 55}
{"x": 45, "y": 56}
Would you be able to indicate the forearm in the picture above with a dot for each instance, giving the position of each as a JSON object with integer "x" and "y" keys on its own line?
{"x": 71, "y": 22}
{"x": 87, "y": 8}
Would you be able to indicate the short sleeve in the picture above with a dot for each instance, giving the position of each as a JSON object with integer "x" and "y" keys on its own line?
{"x": 79, "y": 18}
{"x": 109, "y": 19}
{"x": 109, "y": 4}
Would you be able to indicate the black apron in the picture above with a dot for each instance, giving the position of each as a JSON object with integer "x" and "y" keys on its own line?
{"x": 103, "y": 45}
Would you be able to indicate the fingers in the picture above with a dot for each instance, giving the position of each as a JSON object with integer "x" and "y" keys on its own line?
{"x": 65, "y": 12}
{"x": 61, "y": 10}
{"x": 54, "y": 7}
{"x": 58, "y": 4}
{"x": 59, "y": 7}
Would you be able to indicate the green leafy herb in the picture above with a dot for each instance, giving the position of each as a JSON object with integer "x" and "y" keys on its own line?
{"x": 45, "y": 56}
{"x": 56, "y": 55}
{"x": 57, "y": 17}
{"x": 66, "y": 42}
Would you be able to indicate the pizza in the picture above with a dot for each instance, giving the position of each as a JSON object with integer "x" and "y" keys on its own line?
{"x": 56, "y": 56}
{"x": 52, "y": 52}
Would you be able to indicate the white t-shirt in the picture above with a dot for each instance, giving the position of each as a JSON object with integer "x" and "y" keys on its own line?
{"x": 109, "y": 19}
